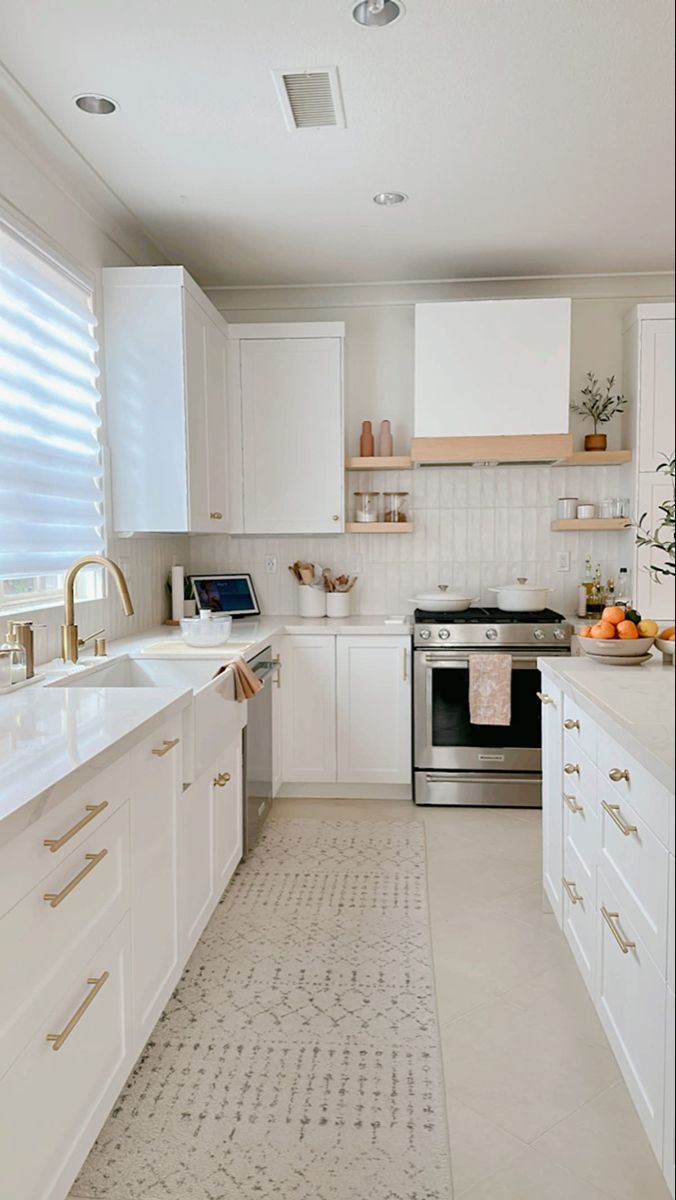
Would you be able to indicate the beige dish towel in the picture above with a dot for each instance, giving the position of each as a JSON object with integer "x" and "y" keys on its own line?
{"x": 246, "y": 683}
{"x": 490, "y": 689}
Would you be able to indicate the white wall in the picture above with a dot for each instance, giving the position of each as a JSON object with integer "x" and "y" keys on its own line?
{"x": 473, "y": 528}
{"x": 90, "y": 227}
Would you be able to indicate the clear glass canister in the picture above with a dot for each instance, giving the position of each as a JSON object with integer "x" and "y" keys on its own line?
{"x": 366, "y": 506}
{"x": 396, "y": 506}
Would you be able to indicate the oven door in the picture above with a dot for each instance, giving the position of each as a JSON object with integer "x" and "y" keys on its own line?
{"x": 445, "y": 739}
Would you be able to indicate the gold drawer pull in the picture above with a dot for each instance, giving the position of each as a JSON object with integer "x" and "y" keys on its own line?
{"x": 544, "y": 697}
{"x": 572, "y": 803}
{"x": 613, "y": 811}
{"x": 572, "y": 891}
{"x": 571, "y": 724}
{"x": 57, "y": 1039}
{"x": 222, "y": 778}
{"x": 216, "y": 516}
{"x": 617, "y": 775}
{"x": 167, "y": 745}
{"x": 91, "y": 811}
{"x": 278, "y": 673}
{"x": 610, "y": 918}
{"x": 93, "y": 860}
{"x": 572, "y": 768}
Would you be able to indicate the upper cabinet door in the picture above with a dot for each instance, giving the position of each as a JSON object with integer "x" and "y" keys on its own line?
{"x": 165, "y": 364}
{"x": 205, "y": 371}
{"x": 292, "y": 433}
{"x": 499, "y": 367}
{"x": 656, "y": 388}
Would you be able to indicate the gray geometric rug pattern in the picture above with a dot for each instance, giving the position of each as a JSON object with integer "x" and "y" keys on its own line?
{"x": 298, "y": 1058}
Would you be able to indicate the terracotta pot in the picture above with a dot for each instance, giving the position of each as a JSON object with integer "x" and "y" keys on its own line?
{"x": 595, "y": 441}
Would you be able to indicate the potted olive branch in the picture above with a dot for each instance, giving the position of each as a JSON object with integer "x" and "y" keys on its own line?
{"x": 599, "y": 406}
{"x": 661, "y": 539}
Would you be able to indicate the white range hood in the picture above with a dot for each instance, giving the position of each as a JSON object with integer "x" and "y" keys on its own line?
{"x": 492, "y": 381}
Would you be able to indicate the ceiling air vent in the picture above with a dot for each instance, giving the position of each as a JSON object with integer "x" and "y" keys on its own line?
{"x": 310, "y": 99}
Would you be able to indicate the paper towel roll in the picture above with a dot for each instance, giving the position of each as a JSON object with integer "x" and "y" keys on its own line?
{"x": 177, "y": 593}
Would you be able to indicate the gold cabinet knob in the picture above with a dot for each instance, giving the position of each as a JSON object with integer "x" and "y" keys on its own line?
{"x": 335, "y": 517}
{"x": 216, "y": 516}
{"x": 617, "y": 775}
{"x": 222, "y": 778}
{"x": 572, "y": 768}
{"x": 570, "y": 724}
{"x": 544, "y": 698}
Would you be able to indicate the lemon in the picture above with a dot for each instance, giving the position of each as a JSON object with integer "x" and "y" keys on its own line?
{"x": 648, "y": 628}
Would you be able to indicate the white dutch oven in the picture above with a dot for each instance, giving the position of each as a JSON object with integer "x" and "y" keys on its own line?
{"x": 521, "y": 596}
{"x": 443, "y": 599}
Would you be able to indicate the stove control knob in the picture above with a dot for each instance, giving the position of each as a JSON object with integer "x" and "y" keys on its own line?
{"x": 444, "y": 635}
{"x": 425, "y": 635}
{"x": 559, "y": 635}
{"x": 491, "y": 634}
{"x": 539, "y": 635}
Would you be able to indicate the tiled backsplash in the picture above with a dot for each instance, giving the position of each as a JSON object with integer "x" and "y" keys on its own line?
{"x": 474, "y": 528}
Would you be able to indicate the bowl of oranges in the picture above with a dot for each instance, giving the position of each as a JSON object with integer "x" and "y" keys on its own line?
{"x": 621, "y": 637}
{"x": 666, "y": 642}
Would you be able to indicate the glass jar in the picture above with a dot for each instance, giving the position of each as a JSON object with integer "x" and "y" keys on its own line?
{"x": 12, "y": 664}
{"x": 395, "y": 507}
{"x": 366, "y": 506}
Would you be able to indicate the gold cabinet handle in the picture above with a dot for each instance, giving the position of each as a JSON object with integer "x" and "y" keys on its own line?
{"x": 278, "y": 673}
{"x": 57, "y": 1039}
{"x": 405, "y": 666}
{"x": 544, "y": 697}
{"x": 572, "y": 891}
{"x": 572, "y": 803}
{"x": 222, "y": 778}
{"x": 167, "y": 745}
{"x": 617, "y": 775}
{"x": 91, "y": 811}
{"x": 93, "y": 860}
{"x": 571, "y": 724}
{"x": 216, "y": 516}
{"x": 610, "y": 918}
{"x": 572, "y": 768}
{"x": 614, "y": 812}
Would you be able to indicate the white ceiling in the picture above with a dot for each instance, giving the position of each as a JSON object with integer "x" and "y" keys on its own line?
{"x": 534, "y": 137}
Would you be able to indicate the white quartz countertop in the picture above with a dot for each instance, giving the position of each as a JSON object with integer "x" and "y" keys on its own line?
{"x": 635, "y": 705}
{"x": 54, "y": 739}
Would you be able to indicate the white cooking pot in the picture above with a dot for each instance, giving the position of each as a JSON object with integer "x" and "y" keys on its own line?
{"x": 521, "y": 596}
{"x": 443, "y": 599}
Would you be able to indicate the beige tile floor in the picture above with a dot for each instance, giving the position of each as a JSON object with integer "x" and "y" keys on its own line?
{"x": 537, "y": 1109}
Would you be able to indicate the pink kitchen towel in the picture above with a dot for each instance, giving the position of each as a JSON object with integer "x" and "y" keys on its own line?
{"x": 490, "y": 689}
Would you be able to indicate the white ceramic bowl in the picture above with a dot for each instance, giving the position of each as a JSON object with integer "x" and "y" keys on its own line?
{"x": 199, "y": 632}
{"x": 667, "y": 647}
{"x": 616, "y": 647}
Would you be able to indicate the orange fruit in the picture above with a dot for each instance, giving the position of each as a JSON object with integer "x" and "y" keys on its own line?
{"x": 585, "y": 631}
{"x": 627, "y": 630}
{"x": 668, "y": 633}
{"x": 614, "y": 614}
{"x": 604, "y": 629}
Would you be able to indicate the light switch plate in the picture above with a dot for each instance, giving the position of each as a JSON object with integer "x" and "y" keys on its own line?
{"x": 563, "y": 560}
{"x": 271, "y": 564}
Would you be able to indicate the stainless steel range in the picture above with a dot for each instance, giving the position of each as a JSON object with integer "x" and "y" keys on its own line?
{"x": 456, "y": 762}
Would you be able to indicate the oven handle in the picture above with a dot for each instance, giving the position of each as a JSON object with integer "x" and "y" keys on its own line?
{"x": 480, "y": 777}
{"x": 446, "y": 662}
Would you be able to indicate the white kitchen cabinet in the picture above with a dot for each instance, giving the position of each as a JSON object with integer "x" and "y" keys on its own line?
{"x": 196, "y": 860}
{"x": 309, "y": 721}
{"x": 165, "y": 369}
{"x": 287, "y": 428}
{"x": 552, "y": 802}
{"x": 156, "y": 784}
{"x": 499, "y": 367}
{"x": 669, "y": 1154}
{"x": 228, "y": 811}
{"x": 277, "y": 684}
{"x": 56, "y": 1095}
{"x": 653, "y": 595}
{"x": 656, "y": 427}
{"x": 373, "y": 688}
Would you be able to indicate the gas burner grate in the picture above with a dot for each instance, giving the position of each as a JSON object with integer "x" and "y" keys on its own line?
{"x": 487, "y": 616}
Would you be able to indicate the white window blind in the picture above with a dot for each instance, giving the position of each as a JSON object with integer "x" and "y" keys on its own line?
{"x": 50, "y": 456}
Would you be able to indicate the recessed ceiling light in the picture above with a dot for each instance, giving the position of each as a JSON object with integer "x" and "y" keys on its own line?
{"x": 100, "y": 106}
{"x": 375, "y": 13}
{"x": 388, "y": 198}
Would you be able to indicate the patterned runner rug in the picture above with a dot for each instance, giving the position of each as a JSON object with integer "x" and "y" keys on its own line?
{"x": 298, "y": 1058}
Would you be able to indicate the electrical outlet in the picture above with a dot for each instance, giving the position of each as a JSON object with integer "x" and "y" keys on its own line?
{"x": 563, "y": 560}
{"x": 271, "y": 564}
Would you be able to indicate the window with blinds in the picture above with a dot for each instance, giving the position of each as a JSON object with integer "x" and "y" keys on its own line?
{"x": 51, "y": 485}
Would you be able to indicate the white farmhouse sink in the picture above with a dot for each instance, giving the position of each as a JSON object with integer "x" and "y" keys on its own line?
{"x": 209, "y": 722}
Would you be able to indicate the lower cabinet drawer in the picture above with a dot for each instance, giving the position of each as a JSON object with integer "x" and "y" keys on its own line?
{"x": 579, "y": 902}
{"x": 581, "y": 829}
{"x": 631, "y": 781}
{"x": 631, "y": 1002}
{"x": 579, "y": 727}
{"x": 58, "y": 1092}
{"x": 637, "y": 865}
{"x": 56, "y": 924}
{"x": 579, "y": 773}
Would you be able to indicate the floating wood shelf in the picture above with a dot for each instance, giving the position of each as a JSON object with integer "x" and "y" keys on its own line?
{"x": 591, "y": 523}
{"x": 396, "y": 462}
{"x": 595, "y": 458}
{"x": 521, "y": 448}
{"x": 379, "y": 527}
